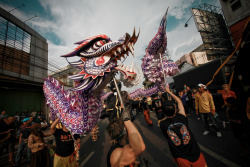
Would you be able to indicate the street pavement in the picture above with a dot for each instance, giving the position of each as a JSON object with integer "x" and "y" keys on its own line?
{"x": 218, "y": 152}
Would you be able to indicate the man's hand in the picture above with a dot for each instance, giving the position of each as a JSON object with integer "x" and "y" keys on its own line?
{"x": 196, "y": 112}
{"x": 9, "y": 130}
{"x": 125, "y": 114}
{"x": 213, "y": 112}
{"x": 40, "y": 145}
{"x": 167, "y": 89}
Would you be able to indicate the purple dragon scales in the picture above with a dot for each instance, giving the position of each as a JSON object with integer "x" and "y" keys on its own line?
{"x": 80, "y": 108}
{"x": 151, "y": 66}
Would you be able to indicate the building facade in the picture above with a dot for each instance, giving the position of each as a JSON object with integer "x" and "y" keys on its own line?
{"x": 236, "y": 13}
{"x": 62, "y": 76}
{"x": 197, "y": 57}
{"x": 23, "y": 65}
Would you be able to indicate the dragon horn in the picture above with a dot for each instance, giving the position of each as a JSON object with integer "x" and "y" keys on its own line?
{"x": 164, "y": 20}
{"x": 134, "y": 33}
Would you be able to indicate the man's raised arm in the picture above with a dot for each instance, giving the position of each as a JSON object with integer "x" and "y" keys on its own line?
{"x": 178, "y": 100}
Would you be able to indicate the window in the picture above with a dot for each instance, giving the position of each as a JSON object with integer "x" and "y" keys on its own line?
{"x": 13, "y": 36}
{"x": 235, "y": 5}
{"x": 14, "y": 48}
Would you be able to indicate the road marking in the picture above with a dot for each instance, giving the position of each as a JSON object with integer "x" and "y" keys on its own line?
{"x": 218, "y": 157}
{"x": 87, "y": 158}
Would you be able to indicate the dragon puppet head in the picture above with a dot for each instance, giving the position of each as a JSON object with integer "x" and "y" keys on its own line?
{"x": 98, "y": 62}
{"x": 152, "y": 67}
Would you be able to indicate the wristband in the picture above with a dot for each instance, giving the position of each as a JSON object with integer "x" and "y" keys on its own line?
{"x": 126, "y": 119}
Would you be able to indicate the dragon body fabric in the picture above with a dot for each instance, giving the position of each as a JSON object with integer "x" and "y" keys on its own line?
{"x": 151, "y": 66}
{"x": 79, "y": 108}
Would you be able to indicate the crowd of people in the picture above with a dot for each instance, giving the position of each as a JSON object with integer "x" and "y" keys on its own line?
{"x": 29, "y": 134}
{"x": 171, "y": 108}
{"x": 172, "y": 111}
{"x": 16, "y": 130}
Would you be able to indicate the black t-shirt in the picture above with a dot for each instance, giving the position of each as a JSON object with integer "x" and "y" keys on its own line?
{"x": 181, "y": 141}
{"x": 157, "y": 104}
{"x": 135, "y": 104}
{"x": 25, "y": 130}
{"x": 64, "y": 143}
{"x": 189, "y": 95}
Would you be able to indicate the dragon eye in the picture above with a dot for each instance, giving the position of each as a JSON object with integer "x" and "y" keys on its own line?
{"x": 98, "y": 44}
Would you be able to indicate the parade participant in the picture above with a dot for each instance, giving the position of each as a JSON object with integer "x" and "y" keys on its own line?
{"x": 23, "y": 141}
{"x": 95, "y": 133}
{"x": 197, "y": 96}
{"x": 174, "y": 127}
{"x": 149, "y": 102}
{"x": 64, "y": 156}
{"x": 207, "y": 110}
{"x": 156, "y": 104}
{"x": 122, "y": 153}
{"x": 147, "y": 112}
{"x": 226, "y": 93}
{"x": 39, "y": 152}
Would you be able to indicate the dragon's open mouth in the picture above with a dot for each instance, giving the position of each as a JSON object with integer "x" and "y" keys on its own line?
{"x": 99, "y": 55}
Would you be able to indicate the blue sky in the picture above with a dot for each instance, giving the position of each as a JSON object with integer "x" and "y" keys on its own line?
{"x": 63, "y": 22}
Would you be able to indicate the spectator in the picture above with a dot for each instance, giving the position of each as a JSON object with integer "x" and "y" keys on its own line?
{"x": 44, "y": 124}
{"x": 207, "y": 110}
{"x": 183, "y": 99}
{"x": 17, "y": 116}
{"x": 3, "y": 114}
{"x": 23, "y": 115}
{"x": 174, "y": 127}
{"x": 38, "y": 118}
{"x": 11, "y": 145}
{"x": 23, "y": 141}
{"x": 31, "y": 121}
{"x": 64, "y": 146}
{"x": 185, "y": 87}
{"x": 189, "y": 100}
{"x": 39, "y": 152}
{"x": 5, "y": 136}
{"x": 122, "y": 153}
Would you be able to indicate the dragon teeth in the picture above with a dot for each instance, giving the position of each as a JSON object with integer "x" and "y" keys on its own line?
{"x": 131, "y": 50}
{"x": 114, "y": 53}
{"x": 124, "y": 48}
{"x": 119, "y": 49}
{"x": 127, "y": 54}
